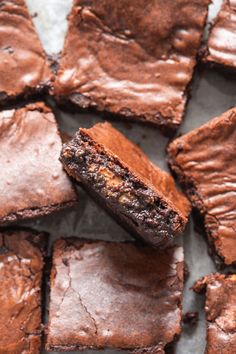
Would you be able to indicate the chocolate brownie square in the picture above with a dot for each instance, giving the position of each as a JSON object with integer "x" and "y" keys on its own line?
{"x": 114, "y": 295}
{"x": 119, "y": 175}
{"x": 24, "y": 69}
{"x": 21, "y": 267}
{"x": 220, "y": 310}
{"x": 33, "y": 182}
{"x": 204, "y": 161}
{"x": 133, "y": 60}
{"x": 221, "y": 46}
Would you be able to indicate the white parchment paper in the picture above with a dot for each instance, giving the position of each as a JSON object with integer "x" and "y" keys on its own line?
{"x": 212, "y": 94}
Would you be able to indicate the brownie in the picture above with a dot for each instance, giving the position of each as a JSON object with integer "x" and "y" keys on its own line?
{"x": 220, "y": 310}
{"x": 134, "y": 62}
{"x": 204, "y": 161}
{"x": 24, "y": 69}
{"x": 114, "y": 295}
{"x": 21, "y": 267}
{"x": 33, "y": 182}
{"x": 119, "y": 175}
{"x": 221, "y": 46}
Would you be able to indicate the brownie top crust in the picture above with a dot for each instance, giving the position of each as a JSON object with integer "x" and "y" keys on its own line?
{"x": 220, "y": 309}
{"x": 21, "y": 265}
{"x": 114, "y": 295}
{"x": 23, "y": 65}
{"x": 204, "y": 161}
{"x": 132, "y": 60}
{"x": 32, "y": 176}
{"x": 138, "y": 163}
{"x": 221, "y": 47}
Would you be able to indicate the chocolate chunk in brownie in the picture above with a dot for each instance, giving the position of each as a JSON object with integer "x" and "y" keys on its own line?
{"x": 221, "y": 46}
{"x": 33, "y": 182}
{"x": 24, "y": 69}
{"x": 204, "y": 161}
{"x": 119, "y": 175}
{"x": 220, "y": 310}
{"x": 114, "y": 295}
{"x": 21, "y": 267}
{"x": 132, "y": 60}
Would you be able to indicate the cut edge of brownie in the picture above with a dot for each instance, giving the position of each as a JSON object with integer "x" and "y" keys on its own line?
{"x": 61, "y": 245}
{"x": 147, "y": 350}
{"x": 79, "y": 102}
{"x": 226, "y": 70}
{"x": 31, "y": 213}
{"x": 28, "y": 95}
{"x": 145, "y": 211}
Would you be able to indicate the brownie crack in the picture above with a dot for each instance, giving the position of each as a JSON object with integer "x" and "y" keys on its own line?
{"x": 80, "y": 299}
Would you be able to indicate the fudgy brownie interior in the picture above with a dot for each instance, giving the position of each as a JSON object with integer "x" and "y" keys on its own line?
{"x": 118, "y": 174}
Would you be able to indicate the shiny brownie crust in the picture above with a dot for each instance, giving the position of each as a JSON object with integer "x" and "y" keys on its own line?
{"x": 114, "y": 295}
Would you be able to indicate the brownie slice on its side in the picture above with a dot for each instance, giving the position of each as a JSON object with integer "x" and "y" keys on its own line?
{"x": 21, "y": 260}
{"x": 204, "y": 161}
{"x": 114, "y": 295}
{"x": 33, "y": 182}
{"x": 221, "y": 46}
{"x": 132, "y": 59}
{"x": 220, "y": 310}
{"x": 24, "y": 69}
{"x": 119, "y": 175}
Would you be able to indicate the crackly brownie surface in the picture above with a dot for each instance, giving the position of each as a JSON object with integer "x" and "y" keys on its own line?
{"x": 117, "y": 173}
{"x": 204, "y": 162}
{"x": 220, "y": 310}
{"x": 23, "y": 66}
{"x": 221, "y": 47}
{"x": 33, "y": 181}
{"x": 134, "y": 60}
{"x": 21, "y": 266}
{"x": 114, "y": 295}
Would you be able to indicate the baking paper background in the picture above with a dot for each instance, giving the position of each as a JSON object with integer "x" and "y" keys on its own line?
{"x": 212, "y": 94}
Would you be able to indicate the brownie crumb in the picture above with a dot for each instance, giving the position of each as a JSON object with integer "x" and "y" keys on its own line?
{"x": 191, "y": 318}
